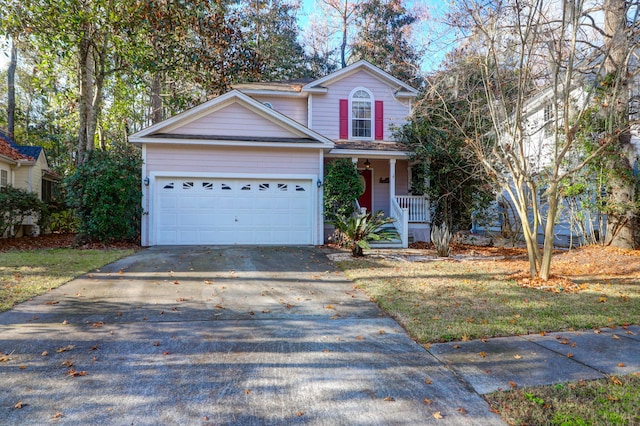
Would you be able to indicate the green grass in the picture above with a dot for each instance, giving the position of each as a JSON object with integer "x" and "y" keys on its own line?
{"x": 445, "y": 300}
{"x": 26, "y": 274}
{"x": 612, "y": 401}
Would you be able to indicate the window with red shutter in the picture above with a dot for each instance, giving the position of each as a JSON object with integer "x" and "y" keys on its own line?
{"x": 379, "y": 120}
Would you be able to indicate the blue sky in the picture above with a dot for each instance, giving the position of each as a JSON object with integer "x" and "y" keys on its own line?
{"x": 430, "y": 32}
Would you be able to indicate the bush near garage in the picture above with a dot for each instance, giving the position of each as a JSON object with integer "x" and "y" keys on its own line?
{"x": 105, "y": 193}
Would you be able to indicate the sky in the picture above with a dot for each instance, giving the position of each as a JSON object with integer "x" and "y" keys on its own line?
{"x": 428, "y": 32}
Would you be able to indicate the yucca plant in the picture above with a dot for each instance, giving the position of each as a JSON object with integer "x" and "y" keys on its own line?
{"x": 441, "y": 238}
{"x": 358, "y": 230}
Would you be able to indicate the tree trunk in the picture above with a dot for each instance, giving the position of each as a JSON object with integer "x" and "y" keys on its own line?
{"x": 156, "y": 100}
{"x": 622, "y": 222}
{"x": 83, "y": 101}
{"x": 11, "y": 90}
{"x": 547, "y": 251}
{"x": 345, "y": 24}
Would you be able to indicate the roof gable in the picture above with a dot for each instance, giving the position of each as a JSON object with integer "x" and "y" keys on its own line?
{"x": 401, "y": 89}
{"x": 10, "y": 150}
{"x": 233, "y": 117}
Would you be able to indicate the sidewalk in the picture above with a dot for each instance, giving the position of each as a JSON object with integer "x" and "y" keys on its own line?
{"x": 500, "y": 363}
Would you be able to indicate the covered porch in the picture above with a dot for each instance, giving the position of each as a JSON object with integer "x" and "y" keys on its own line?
{"x": 386, "y": 179}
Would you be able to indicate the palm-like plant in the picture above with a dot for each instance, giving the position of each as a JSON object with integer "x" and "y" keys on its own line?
{"x": 360, "y": 229}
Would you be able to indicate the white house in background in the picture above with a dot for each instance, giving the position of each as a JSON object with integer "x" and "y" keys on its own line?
{"x": 539, "y": 120}
{"x": 247, "y": 167}
{"x": 25, "y": 167}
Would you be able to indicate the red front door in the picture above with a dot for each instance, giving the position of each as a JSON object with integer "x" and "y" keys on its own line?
{"x": 365, "y": 199}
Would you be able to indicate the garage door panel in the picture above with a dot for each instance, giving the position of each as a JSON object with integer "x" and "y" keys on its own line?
{"x": 233, "y": 211}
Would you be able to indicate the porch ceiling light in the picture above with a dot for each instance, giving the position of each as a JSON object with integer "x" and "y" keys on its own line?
{"x": 367, "y": 164}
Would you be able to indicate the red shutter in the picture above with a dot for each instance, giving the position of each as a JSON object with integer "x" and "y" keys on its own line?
{"x": 344, "y": 119}
{"x": 379, "y": 121}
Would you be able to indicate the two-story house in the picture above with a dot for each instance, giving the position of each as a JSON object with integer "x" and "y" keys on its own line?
{"x": 247, "y": 167}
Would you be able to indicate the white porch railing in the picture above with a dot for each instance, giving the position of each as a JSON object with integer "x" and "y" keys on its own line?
{"x": 401, "y": 215}
{"x": 418, "y": 206}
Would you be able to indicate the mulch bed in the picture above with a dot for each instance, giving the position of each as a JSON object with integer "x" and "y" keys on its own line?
{"x": 60, "y": 241}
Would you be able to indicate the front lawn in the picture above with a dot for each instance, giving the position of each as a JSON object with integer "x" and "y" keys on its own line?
{"x": 439, "y": 301}
{"x": 611, "y": 401}
{"x": 25, "y": 274}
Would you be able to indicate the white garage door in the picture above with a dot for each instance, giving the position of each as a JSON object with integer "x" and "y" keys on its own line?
{"x": 233, "y": 211}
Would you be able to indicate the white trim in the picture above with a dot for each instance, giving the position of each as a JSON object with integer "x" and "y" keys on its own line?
{"x": 153, "y": 176}
{"x": 234, "y": 96}
{"x": 209, "y": 142}
{"x": 392, "y": 179}
{"x": 339, "y": 153}
{"x": 144, "y": 222}
{"x": 320, "y": 225}
{"x": 372, "y": 120}
{"x": 362, "y": 64}
{"x": 310, "y": 112}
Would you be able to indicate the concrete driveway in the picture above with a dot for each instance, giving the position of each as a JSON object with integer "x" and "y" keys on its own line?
{"x": 220, "y": 335}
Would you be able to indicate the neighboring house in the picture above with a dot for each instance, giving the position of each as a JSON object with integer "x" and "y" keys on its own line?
{"x": 26, "y": 167}
{"x": 573, "y": 226}
{"x": 247, "y": 167}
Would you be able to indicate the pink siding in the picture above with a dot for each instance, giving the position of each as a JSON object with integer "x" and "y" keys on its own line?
{"x": 233, "y": 120}
{"x": 216, "y": 159}
{"x": 326, "y": 106}
{"x": 294, "y": 108}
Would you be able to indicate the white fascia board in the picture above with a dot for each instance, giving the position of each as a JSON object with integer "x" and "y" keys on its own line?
{"x": 315, "y": 90}
{"x": 209, "y": 142}
{"x": 382, "y": 75}
{"x": 220, "y": 102}
{"x": 8, "y": 160}
{"x": 336, "y": 153}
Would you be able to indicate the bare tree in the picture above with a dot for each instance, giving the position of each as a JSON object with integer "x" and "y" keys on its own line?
{"x": 535, "y": 55}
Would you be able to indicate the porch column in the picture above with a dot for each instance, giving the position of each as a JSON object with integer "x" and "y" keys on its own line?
{"x": 354, "y": 160}
{"x": 392, "y": 180}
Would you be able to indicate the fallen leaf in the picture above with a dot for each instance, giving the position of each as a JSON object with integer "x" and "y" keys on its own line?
{"x": 247, "y": 391}
{"x": 456, "y": 346}
{"x": 44, "y": 353}
{"x": 427, "y": 401}
{"x": 300, "y": 413}
{"x": 621, "y": 364}
{"x": 597, "y": 331}
{"x": 615, "y": 381}
{"x": 542, "y": 333}
{"x": 67, "y": 363}
{"x": 428, "y": 380}
{"x": 251, "y": 313}
{"x": 65, "y": 348}
{"x": 119, "y": 314}
{"x": 93, "y": 348}
{"x": 165, "y": 353}
{"x": 207, "y": 282}
{"x": 176, "y": 282}
{"x": 438, "y": 415}
{"x": 98, "y": 324}
{"x": 462, "y": 410}
{"x": 51, "y": 302}
{"x": 18, "y": 405}
{"x": 513, "y": 384}
{"x": 359, "y": 338}
{"x": 57, "y": 415}
{"x": 483, "y": 354}
{"x": 516, "y": 356}
{"x": 615, "y": 337}
{"x": 65, "y": 322}
{"x": 22, "y": 367}
{"x": 569, "y": 355}
{"x": 389, "y": 398}
{"x": 74, "y": 373}
{"x": 329, "y": 306}
{"x": 265, "y": 311}
{"x": 120, "y": 272}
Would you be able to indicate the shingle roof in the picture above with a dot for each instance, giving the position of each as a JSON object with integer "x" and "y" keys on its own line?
{"x": 9, "y": 148}
{"x": 6, "y": 150}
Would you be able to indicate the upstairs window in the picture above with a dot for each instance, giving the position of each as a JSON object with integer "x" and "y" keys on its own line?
{"x": 361, "y": 114}
{"x": 4, "y": 178}
{"x": 361, "y": 117}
